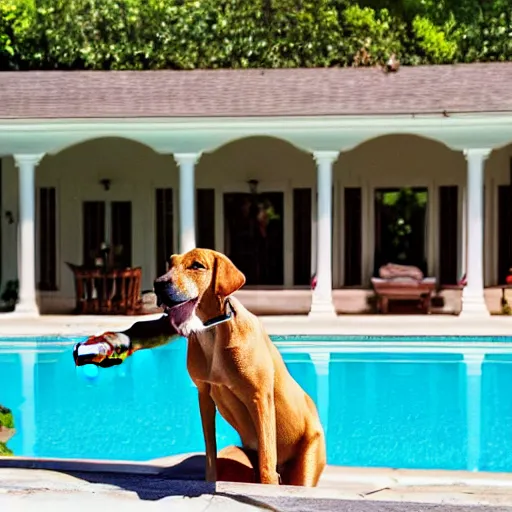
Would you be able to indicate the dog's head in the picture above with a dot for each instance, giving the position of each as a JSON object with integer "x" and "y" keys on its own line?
{"x": 195, "y": 287}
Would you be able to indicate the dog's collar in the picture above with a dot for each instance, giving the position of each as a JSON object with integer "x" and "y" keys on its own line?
{"x": 213, "y": 322}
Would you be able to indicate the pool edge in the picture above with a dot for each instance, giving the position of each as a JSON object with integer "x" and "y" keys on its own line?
{"x": 333, "y": 474}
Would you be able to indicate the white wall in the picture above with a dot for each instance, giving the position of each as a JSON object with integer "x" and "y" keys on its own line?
{"x": 136, "y": 170}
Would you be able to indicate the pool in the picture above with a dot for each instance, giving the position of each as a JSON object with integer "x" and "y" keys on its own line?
{"x": 421, "y": 403}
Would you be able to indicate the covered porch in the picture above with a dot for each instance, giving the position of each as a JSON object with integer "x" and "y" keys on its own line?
{"x": 185, "y": 200}
{"x": 157, "y": 186}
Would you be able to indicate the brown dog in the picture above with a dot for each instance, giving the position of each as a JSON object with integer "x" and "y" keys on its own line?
{"x": 239, "y": 371}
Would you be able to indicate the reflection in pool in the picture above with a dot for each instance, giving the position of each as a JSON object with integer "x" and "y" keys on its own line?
{"x": 379, "y": 409}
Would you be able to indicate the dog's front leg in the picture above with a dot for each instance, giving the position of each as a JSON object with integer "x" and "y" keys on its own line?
{"x": 263, "y": 413}
{"x": 207, "y": 410}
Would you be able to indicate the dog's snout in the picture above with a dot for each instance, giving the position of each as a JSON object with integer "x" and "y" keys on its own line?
{"x": 163, "y": 278}
{"x": 161, "y": 284}
{"x": 161, "y": 287}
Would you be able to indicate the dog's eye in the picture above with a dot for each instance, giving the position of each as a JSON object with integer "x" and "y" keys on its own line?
{"x": 197, "y": 266}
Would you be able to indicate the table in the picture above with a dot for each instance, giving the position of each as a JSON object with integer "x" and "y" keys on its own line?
{"x": 107, "y": 291}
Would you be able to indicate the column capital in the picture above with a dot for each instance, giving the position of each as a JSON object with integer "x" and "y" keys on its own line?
{"x": 325, "y": 156}
{"x": 482, "y": 153}
{"x": 27, "y": 159}
{"x": 186, "y": 158}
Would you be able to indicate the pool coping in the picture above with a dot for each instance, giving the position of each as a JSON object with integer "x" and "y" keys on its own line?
{"x": 17, "y": 325}
{"x": 332, "y": 474}
{"x": 64, "y": 484}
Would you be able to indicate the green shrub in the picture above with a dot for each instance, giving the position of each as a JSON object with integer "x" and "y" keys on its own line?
{"x": 4, "y": 451}
{"x": 190, "y": 34}
{"x": 6, "y": 418}
{"x": 6, "y": 421}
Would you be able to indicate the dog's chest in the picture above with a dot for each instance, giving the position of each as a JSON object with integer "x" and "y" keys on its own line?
{"x": 200, "y": 357}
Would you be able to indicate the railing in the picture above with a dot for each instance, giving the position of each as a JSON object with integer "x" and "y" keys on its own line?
{"x": 107, "y": 291}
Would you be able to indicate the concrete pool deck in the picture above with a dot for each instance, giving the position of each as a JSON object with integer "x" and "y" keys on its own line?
{"x": 26, "y": 484}
{"x": 13, "y": 325}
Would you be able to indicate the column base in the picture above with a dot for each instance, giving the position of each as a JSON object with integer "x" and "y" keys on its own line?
{"x": 322, "y": 307}
{"x": 473, "y": 304}
{"x": 26, "y": 309}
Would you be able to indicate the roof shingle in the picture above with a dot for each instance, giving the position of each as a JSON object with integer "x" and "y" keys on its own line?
{"x": 463, "y": 88}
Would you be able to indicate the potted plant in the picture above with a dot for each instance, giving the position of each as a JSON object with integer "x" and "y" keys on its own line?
{"x": 10, "y": 294}
{"x": 6, "y": 430}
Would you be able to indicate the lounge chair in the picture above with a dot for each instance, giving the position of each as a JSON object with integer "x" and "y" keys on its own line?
{"x": 403, "y": 282}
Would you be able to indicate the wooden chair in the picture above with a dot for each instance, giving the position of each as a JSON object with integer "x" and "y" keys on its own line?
{"x": 109, "y": 292}
{"x": 402, "y": 282}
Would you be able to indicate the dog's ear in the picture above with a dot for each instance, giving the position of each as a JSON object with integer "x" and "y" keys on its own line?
{"x": 228, "y": 279}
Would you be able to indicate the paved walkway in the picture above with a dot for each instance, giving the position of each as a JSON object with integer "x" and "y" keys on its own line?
{"x": 81, "y": 486}
{"x": 61, "y": 325}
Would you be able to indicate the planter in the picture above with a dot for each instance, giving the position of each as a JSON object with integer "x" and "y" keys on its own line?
{"x": 6, "y": 434}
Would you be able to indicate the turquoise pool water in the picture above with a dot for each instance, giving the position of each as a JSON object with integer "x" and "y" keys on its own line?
{"x": 389, "y": 402}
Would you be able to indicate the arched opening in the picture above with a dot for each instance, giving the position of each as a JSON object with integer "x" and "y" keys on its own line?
{"x": 401, "y": 202}
{"x": 103, "y": 202}
{"x": 263, "y": 189}
{"x": 498, "y": 225}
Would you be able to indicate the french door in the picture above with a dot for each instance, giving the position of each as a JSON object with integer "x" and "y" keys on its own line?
{"x": 110, "y": 223}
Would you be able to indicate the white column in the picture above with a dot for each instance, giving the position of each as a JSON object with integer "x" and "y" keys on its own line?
{"x": 187, "y": 217}
{"x": 322, "y": 295}
{"x": 473, "y": 301}
{"x": 27, "y": 304}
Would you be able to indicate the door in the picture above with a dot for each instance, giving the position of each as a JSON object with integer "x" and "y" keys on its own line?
{"x": 401, "y": 227}
{"x": 254, "y": 235}
{"x": 110, "y": 223}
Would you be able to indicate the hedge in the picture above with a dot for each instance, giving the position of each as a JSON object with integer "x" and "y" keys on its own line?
{"x": 189, "y": 34}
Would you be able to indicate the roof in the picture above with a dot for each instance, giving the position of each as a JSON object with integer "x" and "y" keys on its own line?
{"x": 462, "y": 88}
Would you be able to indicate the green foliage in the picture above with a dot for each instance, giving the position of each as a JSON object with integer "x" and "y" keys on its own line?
{"x": 434, "y": 42}
{"x": 6, "y": 418}
{"x": 190, "y": 34}
{"x": 369, "y": 37}
{"x": 6, "y": 421}
{"x": 4, "y": 451}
